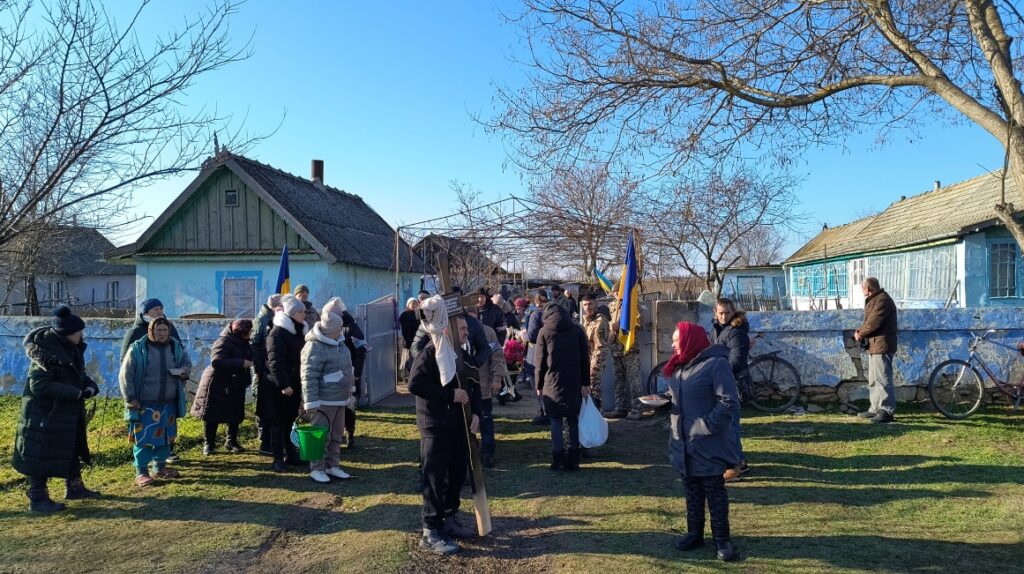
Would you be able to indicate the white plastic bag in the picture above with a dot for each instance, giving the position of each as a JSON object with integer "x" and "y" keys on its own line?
{"x": 593, "y": 427}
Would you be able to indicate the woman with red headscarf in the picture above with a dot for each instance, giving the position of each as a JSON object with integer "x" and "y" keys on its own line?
{"x": 701, "y": 446}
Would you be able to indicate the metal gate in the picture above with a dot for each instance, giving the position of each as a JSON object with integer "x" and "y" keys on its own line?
{"x": 377, "y": 320}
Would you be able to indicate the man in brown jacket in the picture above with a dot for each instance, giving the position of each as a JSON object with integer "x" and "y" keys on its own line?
{"x": 596, "y": 327}
{"x": 879, "y": 328}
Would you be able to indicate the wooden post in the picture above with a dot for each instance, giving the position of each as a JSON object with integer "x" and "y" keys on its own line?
{"x": 480, "y": 505}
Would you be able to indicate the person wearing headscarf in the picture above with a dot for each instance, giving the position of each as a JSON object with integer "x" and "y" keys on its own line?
{"x": 409, "y": 321}
{"x": 701, "y": 446}
{"x": 442, "y": 425}
{"x": 327, "y": 381}
{"x": 221, "y": 394}
{"x": 50, "y": 440}
{"x": 152, "y": 385}
{"x": 563, "y": 379}
{"x": 259, "y": 362}
{"x": 284, "y": 374}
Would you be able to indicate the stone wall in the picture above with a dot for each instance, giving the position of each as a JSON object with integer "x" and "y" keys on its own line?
{"x": 102, "y": 357}
{"x": 820, "y": 344}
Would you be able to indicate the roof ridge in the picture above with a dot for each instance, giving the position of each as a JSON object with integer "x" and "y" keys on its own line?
{"x": 953, "y": 186}
{"x": 292, "y": 175}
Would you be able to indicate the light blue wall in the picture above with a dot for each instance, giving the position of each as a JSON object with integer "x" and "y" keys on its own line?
{"x": 102, "y": 357}
{"x": 813, "y": 342}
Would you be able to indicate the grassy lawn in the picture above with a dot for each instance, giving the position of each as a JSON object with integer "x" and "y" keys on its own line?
{"x": 827, "y": 494}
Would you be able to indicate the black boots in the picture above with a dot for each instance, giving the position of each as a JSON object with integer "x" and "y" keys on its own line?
{"x": 453, "y": 529}
{"x": 690, "y": 541}
{"x": 726, "y": 552}
{"x": 557, "y": 460}
{"x": 232, "y": 445}
{"x": 39, "y": 501}
{"x": 572, "y": 461}
{"x": 74, "y": 489}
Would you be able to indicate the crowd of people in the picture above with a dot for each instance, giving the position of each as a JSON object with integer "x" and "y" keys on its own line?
{"x": 304, "y": 362}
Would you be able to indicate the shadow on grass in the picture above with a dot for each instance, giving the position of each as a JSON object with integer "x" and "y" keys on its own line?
{"x": 819, "y": 431}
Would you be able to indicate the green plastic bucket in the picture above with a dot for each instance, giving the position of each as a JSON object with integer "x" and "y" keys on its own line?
{"x": 312, "y": 441}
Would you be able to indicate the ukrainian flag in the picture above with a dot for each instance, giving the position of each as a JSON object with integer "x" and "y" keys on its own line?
{"x": 605, "y": 282}
{"x": 284, "y": 280}
{"x": 629, "y": 297}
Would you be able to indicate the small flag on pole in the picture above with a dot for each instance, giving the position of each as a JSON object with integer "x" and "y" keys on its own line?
{"x": 605, "y": 282}
{"x": 284, "y": 281}
{"x": 628, "y": 296}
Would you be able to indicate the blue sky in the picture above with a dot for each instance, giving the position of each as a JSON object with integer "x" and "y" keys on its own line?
{"x": 384, "y": 95}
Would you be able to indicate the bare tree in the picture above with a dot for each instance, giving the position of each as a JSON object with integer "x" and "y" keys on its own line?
{"x": 669, "y": 80}
{"x": 762, "y": 245}
{"x": 706, "y": 220}
{"x": 590, "y": 210}
{"x": 90, "y": 114}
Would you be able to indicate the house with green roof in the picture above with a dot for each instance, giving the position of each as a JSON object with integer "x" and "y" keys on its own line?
{"x": 942, "y": 248}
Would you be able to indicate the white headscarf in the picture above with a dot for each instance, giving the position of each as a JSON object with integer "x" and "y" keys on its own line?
{"x": 435, "y": 321}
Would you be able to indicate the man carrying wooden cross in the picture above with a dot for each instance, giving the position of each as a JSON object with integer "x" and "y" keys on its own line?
{"x": 435, "y": 379}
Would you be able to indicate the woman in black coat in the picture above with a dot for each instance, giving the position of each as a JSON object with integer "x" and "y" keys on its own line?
{"x": 563, "y": 379}
{"x": 51, "y": 439}
{"x": 221, "y": 394}
{"x": 284, "y": 366}
{"x": 732, "y": 330}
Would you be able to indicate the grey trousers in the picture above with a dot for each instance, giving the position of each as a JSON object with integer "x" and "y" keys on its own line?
{"x": 880, "y": 385}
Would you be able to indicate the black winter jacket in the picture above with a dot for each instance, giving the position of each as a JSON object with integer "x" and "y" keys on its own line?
{"x": 221, "y": 394}
{"x": 735, "y": 335}
{"x": 563, "y": 362}
{"x": 284, "y": 368}
{"x": 51, "y": 427}
{"x": 410, "y": 323}
{"x": 437, "y": 415}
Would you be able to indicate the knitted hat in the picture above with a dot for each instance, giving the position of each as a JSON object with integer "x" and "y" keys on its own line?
{"x": 292, "y": 305}
{"x": 300, "y": 288}
{"x": 149, "y": 304}
{"x": 331, "y": 325}
{"x": 557, "y": 287}
{"x": 334, "y": 306}
{"x": 65, "y": 322}
{"x": 274, "y": 301}
{"x": 520, "y": 302}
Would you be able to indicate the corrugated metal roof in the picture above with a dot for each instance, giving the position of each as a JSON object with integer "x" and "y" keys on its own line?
{"x": 940, "y": 214}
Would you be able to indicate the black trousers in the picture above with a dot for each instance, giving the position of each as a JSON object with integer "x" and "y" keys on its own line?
{"x": 350, "y": 421}
{"x": 709, "y": 490}
{"x": 445, "y": 460}
{"x": 210, "y": 429}
{"x": 280, "y": 438}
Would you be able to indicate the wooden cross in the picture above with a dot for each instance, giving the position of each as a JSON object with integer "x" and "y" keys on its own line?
{"x": 453, "y": 303}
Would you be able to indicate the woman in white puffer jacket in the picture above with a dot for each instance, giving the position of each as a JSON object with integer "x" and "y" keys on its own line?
{"x": 327, "y": 379}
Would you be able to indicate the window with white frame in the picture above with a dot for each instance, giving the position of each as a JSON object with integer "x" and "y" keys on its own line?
{"x": 1003, "y": 270}
{"x": 859, "y": 275}
{"x": 239, "y": 297}
{"x": 56, "y": 292}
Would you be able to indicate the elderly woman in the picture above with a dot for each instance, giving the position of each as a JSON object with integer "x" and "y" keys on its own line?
{"x": 327, "y": 381}
{"x": 152, "y": 385}
{"x": 701, "y": 445}
{"x": 221, "y": 394}
{"x": 409, "y": 320}
{"x": 54, "y": 443}
{"x": 284, "y": 365}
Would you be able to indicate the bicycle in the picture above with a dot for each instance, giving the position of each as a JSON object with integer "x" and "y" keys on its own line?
{"x": 956, "y": 389}
{"x": 774, "y": 383}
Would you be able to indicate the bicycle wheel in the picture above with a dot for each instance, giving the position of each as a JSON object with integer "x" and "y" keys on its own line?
{"x": 956, "y": 389}
{"x": 657, "y": 382}
{"x": 775, "y": 384}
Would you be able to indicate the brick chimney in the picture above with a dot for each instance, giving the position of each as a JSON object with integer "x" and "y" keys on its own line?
{"x": 317, "y": 171}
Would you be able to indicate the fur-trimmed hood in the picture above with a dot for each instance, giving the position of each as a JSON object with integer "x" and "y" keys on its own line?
{"x": 49, "y": 350}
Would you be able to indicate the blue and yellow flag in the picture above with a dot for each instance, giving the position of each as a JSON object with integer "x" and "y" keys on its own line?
{"x": 629, "y": 297}
{"x": 605, "y": 282}
{"x": 284, "y": 280}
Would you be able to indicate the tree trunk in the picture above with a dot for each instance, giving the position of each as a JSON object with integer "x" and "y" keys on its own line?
{"x": 1004, "y": 212}
{"x": 31, "y": 297}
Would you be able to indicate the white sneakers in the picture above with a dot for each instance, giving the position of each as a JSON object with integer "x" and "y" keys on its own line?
{"x": 320, "y": 476}
{"x": 336, "y": 472}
